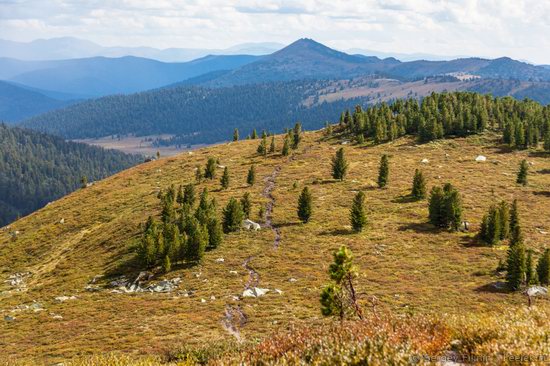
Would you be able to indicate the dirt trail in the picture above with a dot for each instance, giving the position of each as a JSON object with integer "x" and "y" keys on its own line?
{"x": 268, "y": 193}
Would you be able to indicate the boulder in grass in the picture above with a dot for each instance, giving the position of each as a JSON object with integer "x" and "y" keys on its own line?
{"x": 481, "y": 159}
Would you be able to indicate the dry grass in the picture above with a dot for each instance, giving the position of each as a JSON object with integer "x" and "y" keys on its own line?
{"x": 407, "y": 265}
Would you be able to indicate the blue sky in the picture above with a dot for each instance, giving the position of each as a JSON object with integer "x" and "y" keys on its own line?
{"x": 490, "y": 28}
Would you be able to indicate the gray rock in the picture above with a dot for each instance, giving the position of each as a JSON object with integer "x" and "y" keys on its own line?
{"x": 9, "y": 318}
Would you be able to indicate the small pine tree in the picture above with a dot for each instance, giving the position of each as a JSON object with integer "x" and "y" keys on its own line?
{"x": 246, "y": 205}
{"x": 251, "y": 177}
{"x": 262, "y": 147}
{"x": 436, "y": 213}
{"x": 225, "y": 179}
{"x": 530, "y": 274}
{"x": 286, "y": 147}
{"x": 215, "y": 233}
{"x": 523, "y": 172}
{"x": 296, "y": 135}
{"x": 197, "y": 240}
{"x": 339, "y": 297}
{"x": 189, "y": 195}
{"x": 232, "y": 216}
{"x": 84, "y": 182}
{"x": 516, "y": 266}
{"x": 261, "y": 212}
{"x": 158, "y": 154}
{"x": 453, "y": 209}
{"x": 272, "y": 145}
{"x": 254, "y": 134}
{"x": 547, "y": 141}
{"x": 383, "y": 171}
{"x": 166, "y": 266}
{"x": 358, "y": 216}
{"x": 305, "y": 205}
{"x": 339, "y": 165}
{"x": 491, "y": 226}
{"x": 198, "y": 174}
{"x": 543, "y": 268}
{"x": 210, "y": 169}
{"x": 504, "y": 211}
{"x": 236, "y": 134}
{"x": 517, "y": 236}
{"x": 419, "y": 185}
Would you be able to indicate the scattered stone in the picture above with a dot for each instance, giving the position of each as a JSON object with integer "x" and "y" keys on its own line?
{"x": 18, "y": 279}
{"x": 62, "y": 221}
{"x": 280, "y": 292}
{"x": 212, "y": 297}
{"x": 542, "y": 232}
{"x": 203, "y": 301}
{"x": 255, "y": 292}
{"x": 65, "y": 298}
{"x": 251, "y": 225}
{"x": 9, "y": 318}
{"x": 36, "y": 306}
{"x": 234, "y": 272}
{"x": 292, "y": 280}
{"x": 345, "y": 142}
{"x": 535, "y": 291}
{"x": 481, "y": 159}
{"x": 221, "y": 166}
{"x": 57, "y": 317}
{"x": 424, "y": 161}
{"x": 220, "y": 260}
{"x": 92, "y": 288}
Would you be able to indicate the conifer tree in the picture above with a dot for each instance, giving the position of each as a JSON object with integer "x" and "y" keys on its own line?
{"x": 514, "y": 216}
{"x": 251, "y": 177}
{"x": 523, "y": 172}
{"x": 543, "y": 268}
{"x": 261, "y": 212}
{"x": 264, "y": 134}
{"x": 198, "y": 174}
{"x": 189, "y": 195}
{"x": 296, "y": 135}
{"x": 286, "y": 147}
{"x": 504, "y": 212}
{"x": 436, "y": 213}
{"x": 215, "y": 232}
{"x": 516, "y": 236}
{"x": 339, "y": 165}
{"x": 246, "y": 205}
{"x": 339, "y": 298}
{"x": 383, "y": 171}
{"x": 530, "y": 274}
{"x": 262, "y": 147}
{"x": 491, "y": 226}
{"x": 547, "y": 141}
{"x": 210, "y": 170}
{"x": 225, "y": 178}
{"x": 254, "y": 134}
{"x": 272, "y": 145}
{"x": 166, "y": 266}
{"x": 305, "y": 205}
{"x": 197, "y": 240}
{"x": 358, "y": 216}
{"x": 419, "y": 185}
{"x": 84, "y": 182}
{"x": 232, "y": 216}
{"x": 236, "y": 134}
{"x": 453, "y": 207}
{"x": 516, "y": 266}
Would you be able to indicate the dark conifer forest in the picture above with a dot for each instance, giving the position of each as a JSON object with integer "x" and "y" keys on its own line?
{"x": 36, "y": 168}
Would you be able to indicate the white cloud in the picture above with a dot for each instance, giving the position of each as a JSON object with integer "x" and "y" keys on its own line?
{"x": 490, "y": 28}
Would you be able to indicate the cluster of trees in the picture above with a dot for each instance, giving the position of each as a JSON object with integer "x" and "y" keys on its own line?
{"x": 523, "y": 123}
{"x": 36, "y": 168}
{"x": 445, "y": 208}
{"x": 183, "y": 233}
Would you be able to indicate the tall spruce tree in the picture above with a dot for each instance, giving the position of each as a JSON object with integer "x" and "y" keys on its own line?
{"x": 384, "y": 171}
{"x": 215, "y": 232}
{"x": 419, "y": 185}
{"x": 305, "y": 205}
{"x": 197, "y": 240}
{"x": 210, "y": 169}
{"x": 514, "y": 216}
{"x": 232, "y": 216}
{"x": 246, "y": 205}
{"x": 236, "y": 134}
{"x": 272, "y": 145}
{"x": 436, "y": 213}
{"x": 296, "y": 135}
{"x": 286, "y": 147}
{"x": 339, "y": 165}
{"x": 543, "y": 268}
{"x": 251, "y": 177}
{"x": 522, "y": 173}
{"x": 358, "y": 216}
{"x": 516, "y": 266}
{"x": 189, "y": 195}
{"x": 254, "y": 134}
{"x": 225, "y": 178}
{"x": 198, "y": 174}
{"x": 530, "y": 274}
{"x": 504, "y": 220}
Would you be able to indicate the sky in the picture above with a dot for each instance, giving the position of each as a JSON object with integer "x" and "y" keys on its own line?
{"x": 488, "y": 28}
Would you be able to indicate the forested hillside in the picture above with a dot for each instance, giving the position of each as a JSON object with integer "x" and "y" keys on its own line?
{"x": 36, "y": 168}
{"x": 196, "y": 114}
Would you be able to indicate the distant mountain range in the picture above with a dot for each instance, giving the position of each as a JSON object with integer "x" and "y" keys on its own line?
{"x": 71, "y": 48}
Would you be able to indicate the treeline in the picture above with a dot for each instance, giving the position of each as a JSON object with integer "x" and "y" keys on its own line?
{"x": 36, "y": 168}
{"x": 192, "y": 114}
{"x": 523, "y": 124}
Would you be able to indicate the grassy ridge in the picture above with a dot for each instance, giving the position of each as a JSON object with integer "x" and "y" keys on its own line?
{"x": 402, "y": 260}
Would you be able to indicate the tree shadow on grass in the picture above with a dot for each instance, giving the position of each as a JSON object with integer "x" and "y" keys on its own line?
{"x": 423, "y": 227}
{"x": 542, "y": 193}
{"x": 543, "y": 171}
{"x": 539, "y": 154}
{"x": 335, "y": 232}
{"x": 405, "y": 199}
{"x": 497, "y": 287}
{"x": 287, "y": 224}
{"x": 472, "y": 241}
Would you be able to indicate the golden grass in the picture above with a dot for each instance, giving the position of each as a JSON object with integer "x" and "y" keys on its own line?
{"x": 407, "y": 265}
